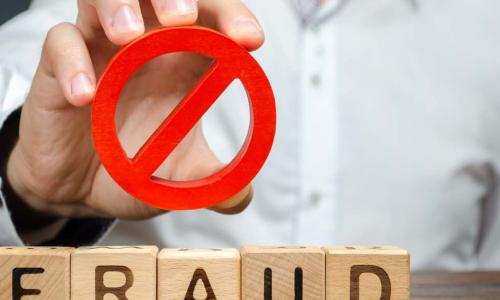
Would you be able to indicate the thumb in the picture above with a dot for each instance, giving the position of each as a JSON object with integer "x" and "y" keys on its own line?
{"x": 201, "y": 162}
{"x": 237, "y": 203}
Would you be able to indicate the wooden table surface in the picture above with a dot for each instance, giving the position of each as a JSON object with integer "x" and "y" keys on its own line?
{"x": 461, "y": 286}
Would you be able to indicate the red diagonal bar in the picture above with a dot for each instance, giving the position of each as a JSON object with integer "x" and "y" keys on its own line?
{"x": 181, "y": 120}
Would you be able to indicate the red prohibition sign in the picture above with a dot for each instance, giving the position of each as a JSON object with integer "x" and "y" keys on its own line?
{"x": 135, "y": 175}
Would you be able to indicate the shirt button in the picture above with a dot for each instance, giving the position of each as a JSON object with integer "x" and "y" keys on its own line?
{"x": 315, "y": 28}
{"x": 316, "y": 79}
{"x": 314, "y": 198}
{"x": 319, "y": 51}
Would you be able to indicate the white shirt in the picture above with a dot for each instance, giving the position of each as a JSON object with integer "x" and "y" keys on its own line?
{"x": 388, "y": 113}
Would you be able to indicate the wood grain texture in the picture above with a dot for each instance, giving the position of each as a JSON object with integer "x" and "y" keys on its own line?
{"x": 451, "y": 286}
{"x": 188, "y": 274}
{"x": 367, "y": 273}
{"x": 99, "y": 273}
{"x": 35, "y": 272}
{"x": 283, "y": 273}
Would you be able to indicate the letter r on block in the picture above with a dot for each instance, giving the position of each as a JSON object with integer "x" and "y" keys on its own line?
{"x": 114, "y": 272}
{"x": 120, "y": 292}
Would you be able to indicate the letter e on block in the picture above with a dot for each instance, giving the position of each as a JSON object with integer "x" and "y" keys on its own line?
{"x": 272, "y": 273}
{"x": 122, "y": 273}
{"x": 367, "y": 273}
{"x": 195, "y": 274}
{"x": 35, "y": 272}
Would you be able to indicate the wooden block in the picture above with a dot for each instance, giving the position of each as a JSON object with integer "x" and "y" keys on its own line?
{"x": 367, "y": 272}
{"x": 35, "y": 273}
{"x": 283, "y": 273}
{"x": 128, "y": 272}
{"x": 189, "y": 274}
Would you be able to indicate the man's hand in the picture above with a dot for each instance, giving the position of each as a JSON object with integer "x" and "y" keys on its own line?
{"x": 54, "y": 167}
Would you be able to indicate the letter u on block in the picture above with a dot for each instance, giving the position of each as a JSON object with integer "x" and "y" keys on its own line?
{"x": 283, "y": 273}
{"x": 199, "y": 274}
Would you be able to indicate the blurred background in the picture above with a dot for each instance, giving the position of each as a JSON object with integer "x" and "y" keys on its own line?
{"x": 407, "y": 95}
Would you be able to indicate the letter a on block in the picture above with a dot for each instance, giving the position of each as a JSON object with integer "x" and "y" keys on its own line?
{"x": 367, "y": 273}
{"x": 35, "y": 272}
{"x": 199, "y": 274}
{"x": 122, "y": 273}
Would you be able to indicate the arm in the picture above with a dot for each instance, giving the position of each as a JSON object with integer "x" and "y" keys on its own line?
{"x": 22, "y": 39}
{"x": 53, "y": 167}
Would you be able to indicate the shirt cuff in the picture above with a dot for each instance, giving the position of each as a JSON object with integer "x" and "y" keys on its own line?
{"x": 22, "y": 225}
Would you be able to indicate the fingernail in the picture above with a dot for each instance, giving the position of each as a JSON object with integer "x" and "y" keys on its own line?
{"x": 81, "y": 85}
{"x": 125, "y": 20}
{"x": 179, "y": 7}
{"x": 247, "y": 26}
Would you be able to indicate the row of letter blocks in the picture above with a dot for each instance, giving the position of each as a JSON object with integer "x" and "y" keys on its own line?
{"x": 260, "y": 273}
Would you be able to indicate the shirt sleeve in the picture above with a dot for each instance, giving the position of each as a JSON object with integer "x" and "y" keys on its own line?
{"x": 13, "y": 89}
{"x": 20, "y": 47}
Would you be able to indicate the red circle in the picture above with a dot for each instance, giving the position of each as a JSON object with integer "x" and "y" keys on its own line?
{"x": 231, "y": 62}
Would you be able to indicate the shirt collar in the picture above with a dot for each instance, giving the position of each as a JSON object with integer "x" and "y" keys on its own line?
{"x": 312, "y": 12}
{"x": 326, "y": 11}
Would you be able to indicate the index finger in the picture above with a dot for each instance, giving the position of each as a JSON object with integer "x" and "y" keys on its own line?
{"x": 234, "y": 19}
{"x": 120, "y": 20}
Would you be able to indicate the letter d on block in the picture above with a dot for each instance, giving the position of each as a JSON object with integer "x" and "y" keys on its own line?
{"x": 385, "y": 282}
{"x": 357, "y": 273}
